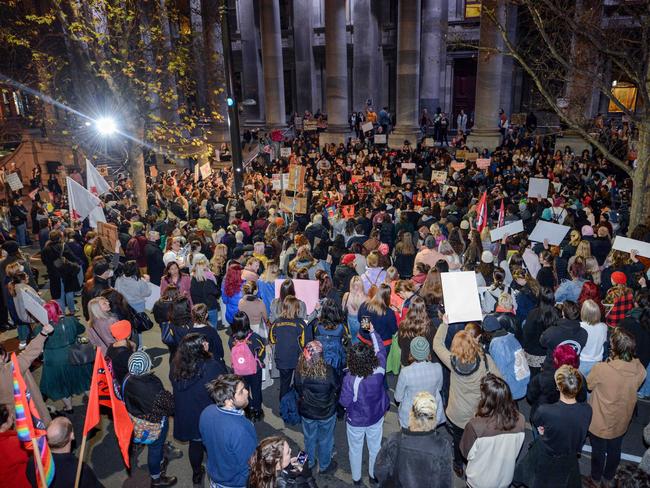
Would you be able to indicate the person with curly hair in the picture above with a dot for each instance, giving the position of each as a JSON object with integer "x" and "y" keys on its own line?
{"x": 365, "y": 400}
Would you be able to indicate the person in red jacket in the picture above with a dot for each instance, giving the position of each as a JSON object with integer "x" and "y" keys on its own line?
{"x": 13, "y": 455}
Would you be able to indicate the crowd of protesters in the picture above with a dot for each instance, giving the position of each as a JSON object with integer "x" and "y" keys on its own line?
{"x": 565, "y": 328}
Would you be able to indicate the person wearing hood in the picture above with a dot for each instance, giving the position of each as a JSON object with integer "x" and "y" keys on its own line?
{"x": 567, "y": 331}
{"x": 613, "y": 384}
{"x": 147, "y": 400}
{"x": 192, "y": 368}
{"x": 468, "y": 364}
{"x": 154, "y": 258}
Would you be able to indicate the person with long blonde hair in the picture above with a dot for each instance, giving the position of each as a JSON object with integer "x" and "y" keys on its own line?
{"x": 416, "y": 323}
{"x": 219, "y": 259}
{"x": 467, "y": 364}
{"x": 352, "y": 302}
{"x": 101, "y": 319}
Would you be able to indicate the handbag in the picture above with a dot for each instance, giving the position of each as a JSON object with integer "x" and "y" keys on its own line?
{"x": 141, "y": 322}
{"x": 167, "y": 334}
{"x": 81, "y": 353}
{"x": 394, "y": 359}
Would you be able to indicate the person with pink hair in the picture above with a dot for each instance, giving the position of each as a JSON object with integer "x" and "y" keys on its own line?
{"x": 61, "y": 380}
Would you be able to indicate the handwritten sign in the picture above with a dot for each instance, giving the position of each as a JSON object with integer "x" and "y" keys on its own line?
{"x": 472, "y": 156}
{"x": 206, "y": 171}
{"x": 296, "y": 178}
{"x": 285, "y": 152}
{"x": 310, "y": 125}
{"x": 293, "y": 205}
{"x": 483, "y": 163}
{"x": 380, "y": 138}
{"x": 408, "y": 165}
{"x": 460, "y": 155}
{"x": 457, "y": 165}
{"x": 366, "y": 127}
{"x": 107, "y": 233}
{"x": 429, "y": 142}
{"x": 14, "y": 182}
{"x": 439, "y": 176}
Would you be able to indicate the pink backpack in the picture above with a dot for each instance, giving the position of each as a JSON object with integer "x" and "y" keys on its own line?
{"x": 244, "y": 362}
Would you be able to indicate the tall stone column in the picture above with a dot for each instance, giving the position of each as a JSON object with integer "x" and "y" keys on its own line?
{"x": 434, "y": 53}
{"x": 366, "y": 74}
{"x": 272, "y": 63}
{"x": 408, "y": 73}
{"x": 336, "y": 72}
{"x": 215, "y": 74}
{"x": 485, "y": 133}
{"x": 304, "y": 55}
{"x": 252, "y": 80}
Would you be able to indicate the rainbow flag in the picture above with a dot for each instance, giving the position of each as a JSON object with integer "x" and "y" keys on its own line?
{"x": 29, "y": 425}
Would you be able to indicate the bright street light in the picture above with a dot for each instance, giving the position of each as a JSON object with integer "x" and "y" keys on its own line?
{"x": 106, "y": 126}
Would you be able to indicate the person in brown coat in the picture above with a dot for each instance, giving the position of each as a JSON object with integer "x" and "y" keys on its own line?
{"x": 613, "y": 386}
{"x": 25, "y": 360}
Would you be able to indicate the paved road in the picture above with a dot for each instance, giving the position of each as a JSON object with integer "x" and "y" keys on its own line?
{"x": 103, "y": 455}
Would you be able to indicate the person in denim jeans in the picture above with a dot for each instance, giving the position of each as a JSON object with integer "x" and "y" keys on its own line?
{"x": 317, "y": 387}
{"x": 365, "y": 400}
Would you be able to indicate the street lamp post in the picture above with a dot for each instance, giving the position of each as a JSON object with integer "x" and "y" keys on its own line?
{"x": 233, "y": 115}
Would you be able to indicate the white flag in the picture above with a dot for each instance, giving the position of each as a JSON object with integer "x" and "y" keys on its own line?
{"x": 97, "y": 215}
{"x": 80, "y": 200}
{"x": 95, "y": 182}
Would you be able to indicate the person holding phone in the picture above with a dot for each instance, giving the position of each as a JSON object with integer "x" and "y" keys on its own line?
{"x": 272, "y": 465}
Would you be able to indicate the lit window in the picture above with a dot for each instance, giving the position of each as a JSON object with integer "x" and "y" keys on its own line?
{"x": 472, "y": 9}
{"x": 625, "y": 93}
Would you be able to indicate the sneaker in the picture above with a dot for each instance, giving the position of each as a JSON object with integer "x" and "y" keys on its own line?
{"x": 331, "y": 468}
{"x": 22, "y": 345}
{"x": 197, "y": 479}
{"x": 163, "y": 480}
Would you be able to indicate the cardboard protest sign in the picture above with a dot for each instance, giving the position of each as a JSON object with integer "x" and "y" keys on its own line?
{"x": 153, "y": 171}
{"x": 460, "y": 155}
{"x": 306, "y": 290}
{"x": 294, "y": 204}
{"x": 471, "y": 156}
{"x": 510, "y": 229}
{"x": 460, "y": 296}
{"x": 296, "y": 178}
{"x": 107, "y": 233}
{"x": 457, "y": 165}
{"x": 34, "y": 305}
{"x": 483, "y": 163}
{"x": 310, "y": 125}
{"x": 366, "y": 126}
{"x": 355, "y": 178}
{"x": 103, "y": 170}
{"x": 14, "y": 182}
{"x": 439, "y": 177}
{"x": 380, "y": 138}
{"x": 206, "y": 171}
{"x": 548, "y": 230}
{"x": 626, "y": 244}
{"x": 285, "y": 152}
{"x": 347, "y": 211}
{"x": 408, "y": 165}
{"x": 428, "y": 142}
{"x": 538, "y": 188}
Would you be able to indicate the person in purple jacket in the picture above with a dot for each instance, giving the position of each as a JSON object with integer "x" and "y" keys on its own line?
{"x": 365, "y": 400}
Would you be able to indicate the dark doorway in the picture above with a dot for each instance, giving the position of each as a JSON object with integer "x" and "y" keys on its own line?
{"x": 464, "y": 88}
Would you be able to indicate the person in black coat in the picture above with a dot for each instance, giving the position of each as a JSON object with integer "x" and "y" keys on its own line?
{"x": 154, "y": 257}
{"x": 567, "y": 331}
{"x": 62, "y": 269}
{"x": 318, "y": 388}
{"x": 100, "y": 281}
{"x": 192, "y": 368}
{"x": 344, "y": 273}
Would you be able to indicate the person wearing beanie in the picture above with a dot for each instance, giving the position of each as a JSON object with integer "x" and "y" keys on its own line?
{"x": 146, "y": 400}
{"x": 420, "y": 375}
{"x": 317, "y": 386}
{"x": 619, "y": 299}
{"x": 417, "y": 455}
{"x": 120, "y": 351}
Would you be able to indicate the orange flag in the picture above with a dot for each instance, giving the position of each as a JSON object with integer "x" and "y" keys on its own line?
{"x": 102, "y": 392}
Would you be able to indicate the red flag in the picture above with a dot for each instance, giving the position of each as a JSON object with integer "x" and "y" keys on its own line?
{"x": 502, "y": 215}
{"x": 481, "y": 213}
{"x": 102, "y": 392}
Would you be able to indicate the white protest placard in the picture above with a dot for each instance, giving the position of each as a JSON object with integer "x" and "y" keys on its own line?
{"x": 14, "y": 182}
{"x": 538, "y": 188}
{"x": 380, "y": 138}
{"x": 408, "y": 165}
{"x": 34, "y": 305}
{"x": 206, "y": 171}
{"x": 510, "y": 229}
{"x": 285, "y": 152}
{"x": 366, "y": 127}
{"x": 548, "y": 230}
{"x": 428, "y": 142}
{"x": 626, "y": 244}
{"x": 439, "y": 177}
{"x": 151, "y": 300}
{"x": 483, "y": 163}
{"x": 460, "y": 295}
{"x": 306, "y": 290}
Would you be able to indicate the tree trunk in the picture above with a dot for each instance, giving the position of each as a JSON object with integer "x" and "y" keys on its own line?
{"x": 196, "y": 20}
{"x": 214, "y": 66}
{"x": 641, "y": 180}
{"x": 136, "y": 164}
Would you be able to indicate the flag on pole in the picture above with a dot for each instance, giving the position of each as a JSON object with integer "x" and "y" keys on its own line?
{"x": 102, "y": 392}
{"x": 481, "y": 213}
{"x": 502, "y": 215}
{"x": 95, "y": 182}
{"x": 80, "y": 200}
{"x": 29, "y": 425}
{"x": 97, "y": 215}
